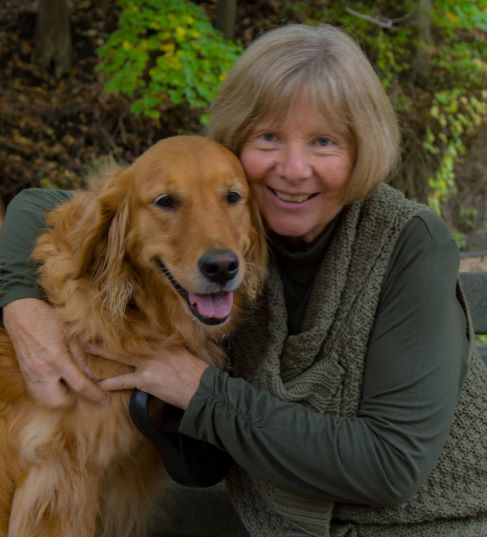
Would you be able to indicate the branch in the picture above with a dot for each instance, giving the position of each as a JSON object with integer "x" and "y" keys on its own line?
{"x": 383, "y": 22}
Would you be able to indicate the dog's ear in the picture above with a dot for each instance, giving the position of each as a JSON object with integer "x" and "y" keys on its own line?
{"x": 100, "y": 236}
{"x": 256, "y": 255}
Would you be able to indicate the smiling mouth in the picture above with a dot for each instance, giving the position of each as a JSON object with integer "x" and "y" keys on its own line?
{"x": 292, "y": 198}
{"x": 209, "y": 308}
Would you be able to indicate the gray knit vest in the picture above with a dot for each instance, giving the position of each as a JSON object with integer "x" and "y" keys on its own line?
{"x": 322, "y": 368}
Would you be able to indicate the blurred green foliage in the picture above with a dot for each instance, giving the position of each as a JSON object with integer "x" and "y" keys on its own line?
{"x": 441, "y": 101}
{"x": 165, "y": 53}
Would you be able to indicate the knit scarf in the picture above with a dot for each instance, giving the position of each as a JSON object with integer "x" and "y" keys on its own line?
{"x": 321, "y": 367}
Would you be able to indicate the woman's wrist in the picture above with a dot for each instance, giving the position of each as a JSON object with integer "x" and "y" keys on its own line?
{"x": 14, "y": 310}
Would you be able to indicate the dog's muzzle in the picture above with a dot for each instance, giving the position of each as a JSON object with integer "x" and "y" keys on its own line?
{"x": 220, "y": 268}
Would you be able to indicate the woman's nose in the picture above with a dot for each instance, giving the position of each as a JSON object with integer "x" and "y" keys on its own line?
{"x": 294, "y": 163}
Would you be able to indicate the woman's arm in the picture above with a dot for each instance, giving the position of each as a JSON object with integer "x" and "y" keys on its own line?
{"x": 414, "y": 370}
{"x": 24, "y": 222}
{"x": 52, "y": 364}
{"x": 413, "y": 376}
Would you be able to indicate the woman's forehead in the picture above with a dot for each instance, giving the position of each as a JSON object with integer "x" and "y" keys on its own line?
{"x": 304, "y": 97}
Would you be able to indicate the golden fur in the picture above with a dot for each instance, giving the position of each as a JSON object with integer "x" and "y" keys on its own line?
{"x": 85, "y": 470}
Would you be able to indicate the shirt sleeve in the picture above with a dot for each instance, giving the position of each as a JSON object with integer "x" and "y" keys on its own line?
{"x": 413, "y": 375}
{"x": 24, "y": 222}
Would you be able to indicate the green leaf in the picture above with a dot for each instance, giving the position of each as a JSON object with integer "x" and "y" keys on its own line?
{"x": 165, "y": 52}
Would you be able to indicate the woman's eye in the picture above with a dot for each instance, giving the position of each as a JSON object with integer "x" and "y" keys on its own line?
{"x": 324, "y": 141}
{"x": 268, "y": 136}
{"x": 233, "y": 197}
{"x": 166, "y": 201}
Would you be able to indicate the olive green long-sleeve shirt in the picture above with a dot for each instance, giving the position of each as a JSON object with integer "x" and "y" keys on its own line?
{"x": 413, "y": 375}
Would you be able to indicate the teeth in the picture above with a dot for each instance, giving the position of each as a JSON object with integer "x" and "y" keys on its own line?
{"x": 290, "y": 198}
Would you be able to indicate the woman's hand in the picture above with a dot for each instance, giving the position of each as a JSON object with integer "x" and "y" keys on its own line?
{"x": 53, "y": 366}
{"x": 172, "y": 375}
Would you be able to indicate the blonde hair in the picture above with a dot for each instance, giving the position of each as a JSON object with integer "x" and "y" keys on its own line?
{"x": 324, "y": 64}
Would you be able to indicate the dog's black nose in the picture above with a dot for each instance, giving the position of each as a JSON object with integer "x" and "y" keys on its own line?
{"x": 219, "y": 266}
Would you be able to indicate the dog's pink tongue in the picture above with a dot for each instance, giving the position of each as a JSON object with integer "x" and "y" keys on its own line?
{"x": 216, "y": 305}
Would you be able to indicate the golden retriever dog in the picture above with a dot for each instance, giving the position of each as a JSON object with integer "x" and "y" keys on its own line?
{"x": 165, "y": 251}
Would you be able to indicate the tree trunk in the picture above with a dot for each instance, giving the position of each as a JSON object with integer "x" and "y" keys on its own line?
{"x": 226, "y": 12}
{"x": 425, "y": 45}
{"x": 53, "y": 35}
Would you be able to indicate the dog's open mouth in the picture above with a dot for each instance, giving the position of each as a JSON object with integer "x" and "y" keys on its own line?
{"x": 209, "y": 308}
{"x": 212, "y": 308}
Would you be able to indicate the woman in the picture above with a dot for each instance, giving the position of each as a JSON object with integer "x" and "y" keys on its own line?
{"x": 358, "y": 403}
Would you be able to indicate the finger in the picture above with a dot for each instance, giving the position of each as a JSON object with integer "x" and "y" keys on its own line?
{"x": 82, "y": 385}
{"x": 121, "y": 382}
{"x": 97, "y": 350}
{"x": 79, "y": 357}
{"x": 51, "y": 393}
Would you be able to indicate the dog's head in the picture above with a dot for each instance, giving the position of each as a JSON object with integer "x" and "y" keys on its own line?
{"x": 179, "y": 217}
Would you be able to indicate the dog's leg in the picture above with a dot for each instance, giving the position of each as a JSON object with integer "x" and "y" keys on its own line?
{"x": 5, "y": 505}
{"x": 55, "y": 499}
{"x": 7, "y": 485}
{"x": 9, "y": 469}
{"x": 131, "y": 492}
{"x": 6, "y": 494}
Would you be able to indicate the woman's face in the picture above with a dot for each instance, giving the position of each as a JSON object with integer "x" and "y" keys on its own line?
{"x": 299, "y": 171}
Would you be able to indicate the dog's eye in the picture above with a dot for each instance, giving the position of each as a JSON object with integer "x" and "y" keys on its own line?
{"x": 166, "y": 201}
{"x": 233, "y": 196}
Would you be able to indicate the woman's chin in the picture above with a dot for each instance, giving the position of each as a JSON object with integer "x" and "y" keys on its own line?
{"x": 293, "y": 233}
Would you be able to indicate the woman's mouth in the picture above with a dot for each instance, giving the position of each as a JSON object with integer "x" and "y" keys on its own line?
{"x": 291, "y": 198}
